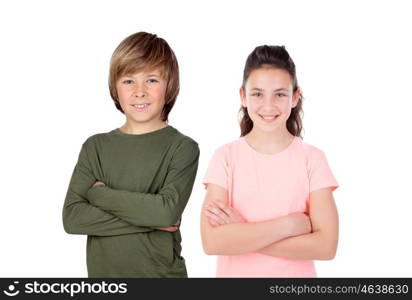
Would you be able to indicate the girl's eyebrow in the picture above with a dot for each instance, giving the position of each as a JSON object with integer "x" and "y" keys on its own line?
{"x": 277, "y": 90}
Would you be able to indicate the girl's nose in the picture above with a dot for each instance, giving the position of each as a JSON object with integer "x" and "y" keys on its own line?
{"x": 268, "y": 102}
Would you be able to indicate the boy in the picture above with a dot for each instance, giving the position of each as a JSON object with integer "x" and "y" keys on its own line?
{"x": 130, "y": 185}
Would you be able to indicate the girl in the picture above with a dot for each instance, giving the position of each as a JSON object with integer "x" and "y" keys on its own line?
{"x": 269, "y": 209}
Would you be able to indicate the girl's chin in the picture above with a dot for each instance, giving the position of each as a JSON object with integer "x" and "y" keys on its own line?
{"x": 267, "y": 124}
{"x": 268, "y": 127}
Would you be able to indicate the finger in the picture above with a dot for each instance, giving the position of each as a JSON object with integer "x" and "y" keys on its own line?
{"x": 223, "y": 218}
{"x": 220, "y": 222}
{"x": 215, "y": 218}
{"x": 98, "y": 183}
{"x": 209, "y": 208}
{"x": 213, "y": 223}
{"x": 212, "y": 216}
{"x": 169, "y": 229}
{"x": 233, "y": 213}
{"x": 219, "y": 204}
{"x": 218, "y": 212}
{"x": 162, "y": 228}
{"x": 222, "y": 206}
{"x": 223, "y": 211}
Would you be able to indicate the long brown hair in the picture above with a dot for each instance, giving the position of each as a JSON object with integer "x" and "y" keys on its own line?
{"x": 274, "y": 57}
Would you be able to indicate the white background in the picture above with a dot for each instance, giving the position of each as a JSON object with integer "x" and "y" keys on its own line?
{"x": 353, "y": 61}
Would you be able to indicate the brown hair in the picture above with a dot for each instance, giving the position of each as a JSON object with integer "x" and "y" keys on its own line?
{"x": 273, "y": 57}
{"x": 145, "y": 51}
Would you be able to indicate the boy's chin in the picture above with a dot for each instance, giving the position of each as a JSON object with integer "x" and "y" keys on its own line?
{"x": 143, "y": 120}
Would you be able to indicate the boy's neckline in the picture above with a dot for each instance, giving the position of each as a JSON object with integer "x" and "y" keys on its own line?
{"x": 118, "y": 131}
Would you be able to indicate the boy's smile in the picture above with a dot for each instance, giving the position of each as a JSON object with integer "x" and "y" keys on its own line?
{"x": 141, "y": 107}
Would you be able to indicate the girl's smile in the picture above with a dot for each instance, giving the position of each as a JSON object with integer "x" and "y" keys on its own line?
{"x": 268, "y": 118}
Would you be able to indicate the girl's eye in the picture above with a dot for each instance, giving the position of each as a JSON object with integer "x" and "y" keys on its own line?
{"x": 127, "y": 81}
{"x": 152, "y": 80}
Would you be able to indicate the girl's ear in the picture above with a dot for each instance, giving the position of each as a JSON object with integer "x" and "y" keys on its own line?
{"x": 242, "y": 97}
{"x": 296, "y": 97}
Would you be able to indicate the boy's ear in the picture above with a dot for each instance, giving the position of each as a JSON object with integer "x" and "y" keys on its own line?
{"x": 243, "y": 102}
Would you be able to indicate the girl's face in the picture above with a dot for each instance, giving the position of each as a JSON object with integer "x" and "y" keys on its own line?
{"x": 269, "y": 98}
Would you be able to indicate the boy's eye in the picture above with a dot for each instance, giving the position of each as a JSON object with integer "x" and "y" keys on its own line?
{"x": 257, "y": 94}
{"x": 280, "y": 95}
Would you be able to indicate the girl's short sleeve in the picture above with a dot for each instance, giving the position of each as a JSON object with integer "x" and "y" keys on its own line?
{"x": 217, "y": 171}
{"x": 320, "y": 174}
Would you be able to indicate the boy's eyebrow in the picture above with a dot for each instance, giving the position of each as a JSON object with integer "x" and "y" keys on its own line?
{"x": 282, "y": 89}
{"x": 126, "y": 75}
{"x": 131, "y": 76}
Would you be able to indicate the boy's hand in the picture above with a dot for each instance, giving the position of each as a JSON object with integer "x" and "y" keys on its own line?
{"x": 98, "y": 183}
{"x": 219, "y": 213}
{"x": 171, "y": 228}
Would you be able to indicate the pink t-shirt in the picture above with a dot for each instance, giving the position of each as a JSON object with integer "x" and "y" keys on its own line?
{"x": 267, "y": 186}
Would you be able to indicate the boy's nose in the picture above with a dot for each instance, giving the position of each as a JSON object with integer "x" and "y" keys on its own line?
{"x": 140, "y": 92}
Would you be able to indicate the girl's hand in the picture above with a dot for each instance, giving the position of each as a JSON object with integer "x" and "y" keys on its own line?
{"x": 298, "y": 224}
{"x": 219, "y": 213}
{"x": 171, "y": 228}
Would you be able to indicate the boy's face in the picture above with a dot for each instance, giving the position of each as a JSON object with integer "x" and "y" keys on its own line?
{"x": 142, "y": 96}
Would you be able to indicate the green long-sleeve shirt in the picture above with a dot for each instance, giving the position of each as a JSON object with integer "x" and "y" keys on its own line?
{"x": 149, "y": 178}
